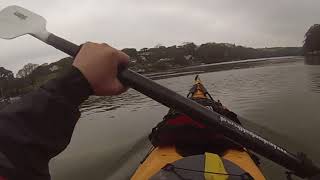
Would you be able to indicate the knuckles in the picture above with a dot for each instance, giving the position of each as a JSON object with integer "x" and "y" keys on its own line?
{"x": 114, "y": 53}
{"x": 106, "y": 51}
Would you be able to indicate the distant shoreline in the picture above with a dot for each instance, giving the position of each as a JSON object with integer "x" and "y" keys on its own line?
{"x": 243, "y": 61}
{"x": 214, "y": 67}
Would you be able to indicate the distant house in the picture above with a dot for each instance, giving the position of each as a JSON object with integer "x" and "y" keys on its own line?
{"x": 229, "y": 45}
{"x": 54, "y": 68}
{"x": 165, "y": 60}
{"x": 316, "y": 53}
{"x": 132, "y": 60}
{"x": 143, "y": 59}
{"x": 188, "y": 57}
{"x": 144, "y": 50}
{"x": 141, "y": 71}
{"x": 145, "y": 53}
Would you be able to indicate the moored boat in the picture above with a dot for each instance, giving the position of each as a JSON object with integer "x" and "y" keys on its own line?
{"x": 186, "y": 149}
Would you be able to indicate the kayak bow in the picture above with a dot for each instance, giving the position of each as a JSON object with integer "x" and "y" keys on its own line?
{"x": 191, "y": 149}
{"x": 186, "y": 149}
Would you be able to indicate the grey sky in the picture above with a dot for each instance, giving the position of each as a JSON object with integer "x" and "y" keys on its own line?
{"x": 145, "y": 23}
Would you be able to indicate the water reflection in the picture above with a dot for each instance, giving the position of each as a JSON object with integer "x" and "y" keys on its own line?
{"x": 96, "y": 104}
{"x": 313, "y": 73}
{"x": 312, "y": 60}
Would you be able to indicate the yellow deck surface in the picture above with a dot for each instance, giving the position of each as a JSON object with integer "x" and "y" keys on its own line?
{"x": 160, "y": 157}
{"x": 243, "y": 160}
{"x": 155, "y": 161}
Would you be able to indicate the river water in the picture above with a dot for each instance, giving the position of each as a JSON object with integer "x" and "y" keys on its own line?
{"x": 278, "y": 99}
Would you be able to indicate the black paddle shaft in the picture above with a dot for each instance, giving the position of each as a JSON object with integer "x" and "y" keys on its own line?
{"x": 301, "y": 167}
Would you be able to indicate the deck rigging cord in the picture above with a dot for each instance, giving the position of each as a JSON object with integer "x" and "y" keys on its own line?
{"x": 171, "y": 168}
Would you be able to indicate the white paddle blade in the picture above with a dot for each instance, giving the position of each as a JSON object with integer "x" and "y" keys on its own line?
{"x": 16, "y": 21}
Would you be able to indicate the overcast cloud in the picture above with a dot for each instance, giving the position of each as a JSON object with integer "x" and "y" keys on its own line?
{"x": 145, "y": 23}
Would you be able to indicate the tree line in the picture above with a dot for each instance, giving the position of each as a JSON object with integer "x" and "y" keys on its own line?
{"x": 162, "y": 58}
{"x": 31, "y": 76}
{"x": 311, "y": 44}
{"x": 159, "y": 58}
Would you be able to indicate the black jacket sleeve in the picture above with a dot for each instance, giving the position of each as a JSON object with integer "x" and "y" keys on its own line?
{"x": 39, "y": 126}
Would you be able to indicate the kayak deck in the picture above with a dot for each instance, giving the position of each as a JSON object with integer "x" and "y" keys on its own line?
{"x": 162, "y": 156}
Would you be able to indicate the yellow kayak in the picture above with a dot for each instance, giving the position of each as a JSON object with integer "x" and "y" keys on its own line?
{"x": 185, "y": 149}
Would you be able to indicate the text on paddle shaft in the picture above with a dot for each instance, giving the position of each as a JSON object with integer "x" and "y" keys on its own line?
{"x": 20, "y": 15}
{"x": 244, "y": 131}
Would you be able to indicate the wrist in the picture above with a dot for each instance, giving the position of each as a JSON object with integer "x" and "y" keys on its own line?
{"x": 72, "y": 85}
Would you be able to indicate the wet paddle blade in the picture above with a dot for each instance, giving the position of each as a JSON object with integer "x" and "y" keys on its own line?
{"x": 16, "y": 21}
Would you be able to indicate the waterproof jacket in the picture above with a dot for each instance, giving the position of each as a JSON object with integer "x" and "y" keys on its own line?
{"x": 39, "y": 126}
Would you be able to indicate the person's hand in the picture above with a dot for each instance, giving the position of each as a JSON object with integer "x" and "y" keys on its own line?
{"x": 99, "y": 63}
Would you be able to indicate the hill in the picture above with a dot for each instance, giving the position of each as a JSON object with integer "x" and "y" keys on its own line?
{"x": 156, "y": 59}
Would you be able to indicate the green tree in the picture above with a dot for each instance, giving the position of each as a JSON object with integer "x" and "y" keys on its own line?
{"x": 5, "y": 77}
{"x": 132, "y": 52}
{"x": 26, "y": 70}
{"x": 189, "y": 48}
{"x": 312, "y": 39}
{"x": 211, "y": 52}
{"x": 45, "y": 72}
{"x": 5, "y": 74}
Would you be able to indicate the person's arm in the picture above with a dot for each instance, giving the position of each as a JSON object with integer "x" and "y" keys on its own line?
{"x": 39, "y": 126}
